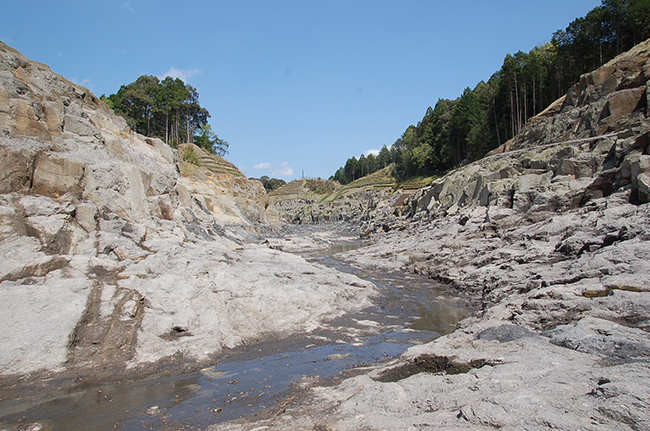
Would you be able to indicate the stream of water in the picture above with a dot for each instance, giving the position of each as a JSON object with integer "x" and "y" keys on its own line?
{"x": 254, "y": 381}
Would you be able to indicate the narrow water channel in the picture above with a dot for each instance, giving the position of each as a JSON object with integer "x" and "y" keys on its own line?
{"x": 254, "y": 381}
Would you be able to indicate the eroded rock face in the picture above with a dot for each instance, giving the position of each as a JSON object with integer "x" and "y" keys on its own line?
{"x": 110, "y": 259}
{"x": 229, "y": 198}
{"x": 353, "y": 207}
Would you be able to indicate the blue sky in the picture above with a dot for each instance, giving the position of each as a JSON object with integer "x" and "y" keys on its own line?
{"x": 293, "y": 86}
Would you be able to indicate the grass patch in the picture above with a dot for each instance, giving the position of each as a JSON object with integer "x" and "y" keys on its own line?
{"x": 189, "y": 155}
{"x": 319, "y": 186}
{"x": 416, "y": 182}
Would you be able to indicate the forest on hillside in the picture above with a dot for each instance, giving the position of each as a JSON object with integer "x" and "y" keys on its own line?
{"x": 458, "y": 131}
{"x": 167, "y": 109}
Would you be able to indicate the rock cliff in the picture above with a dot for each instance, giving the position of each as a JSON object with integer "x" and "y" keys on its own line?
{"x": 362, "y": 200}
{"x": 110, "y": 258}
{"x": 587, "y": 145}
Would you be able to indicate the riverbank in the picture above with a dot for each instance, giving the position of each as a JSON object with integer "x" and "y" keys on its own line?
{"x": 560, "y": 340}
{"x": 117, "y": 259}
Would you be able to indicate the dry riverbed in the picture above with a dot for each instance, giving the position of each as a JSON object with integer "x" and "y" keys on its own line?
{"x": 254, "y": 381}
{"x": 559, "y": 339}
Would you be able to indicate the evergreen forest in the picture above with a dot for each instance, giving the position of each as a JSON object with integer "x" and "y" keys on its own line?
{"x": 167, "y": 109}
{"x": 458, "y": 131}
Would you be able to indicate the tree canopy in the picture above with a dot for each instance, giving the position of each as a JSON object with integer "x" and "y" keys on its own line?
{"x": 270, "y": 184}
{"x": 167, "y": 109}
{"x": 457, "y": 131}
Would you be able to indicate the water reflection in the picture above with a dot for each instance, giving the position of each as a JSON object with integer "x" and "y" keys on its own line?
{"x": 343, "y": 246}
{"x": 103, "y": 406}
{"x": 438, "y": 316}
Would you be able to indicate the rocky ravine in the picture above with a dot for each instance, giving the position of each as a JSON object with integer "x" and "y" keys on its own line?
{"x": 550, "y": 238}
{"x": 111, "y": 261}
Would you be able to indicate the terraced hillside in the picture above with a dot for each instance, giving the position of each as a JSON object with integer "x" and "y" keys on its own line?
{"x": 327, "y": 191}
{"x": 213, "y": 163}
{"x": 310, "y": 189}
{"x": 317, "y": 201}
{"x": 291, "y": 190}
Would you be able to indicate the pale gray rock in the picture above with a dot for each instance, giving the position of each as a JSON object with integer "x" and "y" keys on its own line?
{"x": 109, "y": 259}
{"x": 85, "y": 215}
{"x": 41, "y": 310}
{"x": 643, "y": 184}
{"x": 604, "y": 338}
{"x": 218, "y": 293}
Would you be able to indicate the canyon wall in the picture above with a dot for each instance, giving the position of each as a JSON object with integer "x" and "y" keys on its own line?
{"x": 548, "y": 239}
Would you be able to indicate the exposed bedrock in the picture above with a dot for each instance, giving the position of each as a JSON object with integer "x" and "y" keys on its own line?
{"x": 111, "y": 259}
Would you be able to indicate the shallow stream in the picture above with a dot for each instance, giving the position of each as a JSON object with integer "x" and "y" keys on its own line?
{"x": 253, "y": 382}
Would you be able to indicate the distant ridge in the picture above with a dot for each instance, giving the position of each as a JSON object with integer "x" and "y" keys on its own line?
{"x": 381, "y": 180}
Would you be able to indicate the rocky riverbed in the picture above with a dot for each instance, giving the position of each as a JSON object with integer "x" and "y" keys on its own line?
{"x": 549, "y": 238}
{"x": 559, "y": 341}
{"x": 116, "y": 259}
{"x": 251, "y": 380}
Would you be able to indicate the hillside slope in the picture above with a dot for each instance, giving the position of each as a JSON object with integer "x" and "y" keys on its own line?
{"x": 318, "y": 201}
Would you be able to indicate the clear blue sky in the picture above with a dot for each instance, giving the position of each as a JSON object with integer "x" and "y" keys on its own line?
{"x": 293, "y": 86}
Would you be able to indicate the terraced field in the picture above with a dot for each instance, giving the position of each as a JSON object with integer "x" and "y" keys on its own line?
{"x": 213, "y": 163}
{"x": 380, "y": 180}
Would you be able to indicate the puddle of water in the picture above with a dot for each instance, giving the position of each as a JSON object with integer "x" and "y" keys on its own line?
{"x": 343, "y": 246}
{"x": 250, "y": 381}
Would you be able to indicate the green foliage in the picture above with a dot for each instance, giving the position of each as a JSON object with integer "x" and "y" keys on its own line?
{"x": 210, "y": 142}
{"x": 270, "y": 184}
{"x": 458, "y": 131}
{"x": 319, "y": 186}
{"x": 167, "y": 109}
{"x": 606, "y": 31}
{"x": 365, "y": 165}
{"x": 189, "y": 155}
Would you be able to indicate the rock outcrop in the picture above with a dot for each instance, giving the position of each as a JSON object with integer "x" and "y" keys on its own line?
{"x": 353, "y": 207}
{"x": 111, "y": 259}
{"x": 587, "y": 145}
{"x": 549, "y": 239}
{"x": 222, "y": 191}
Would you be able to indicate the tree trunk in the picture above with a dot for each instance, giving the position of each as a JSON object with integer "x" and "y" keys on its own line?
{"x": 518, "y": 117}
{"x": 512, "y": 115}
{"x": 534, "y": 99}
{"x": 496, "y": 123}
{"x": 176, "y": 130}
{"x": 525, "y": 117}
{"x": 541, "y": 91}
